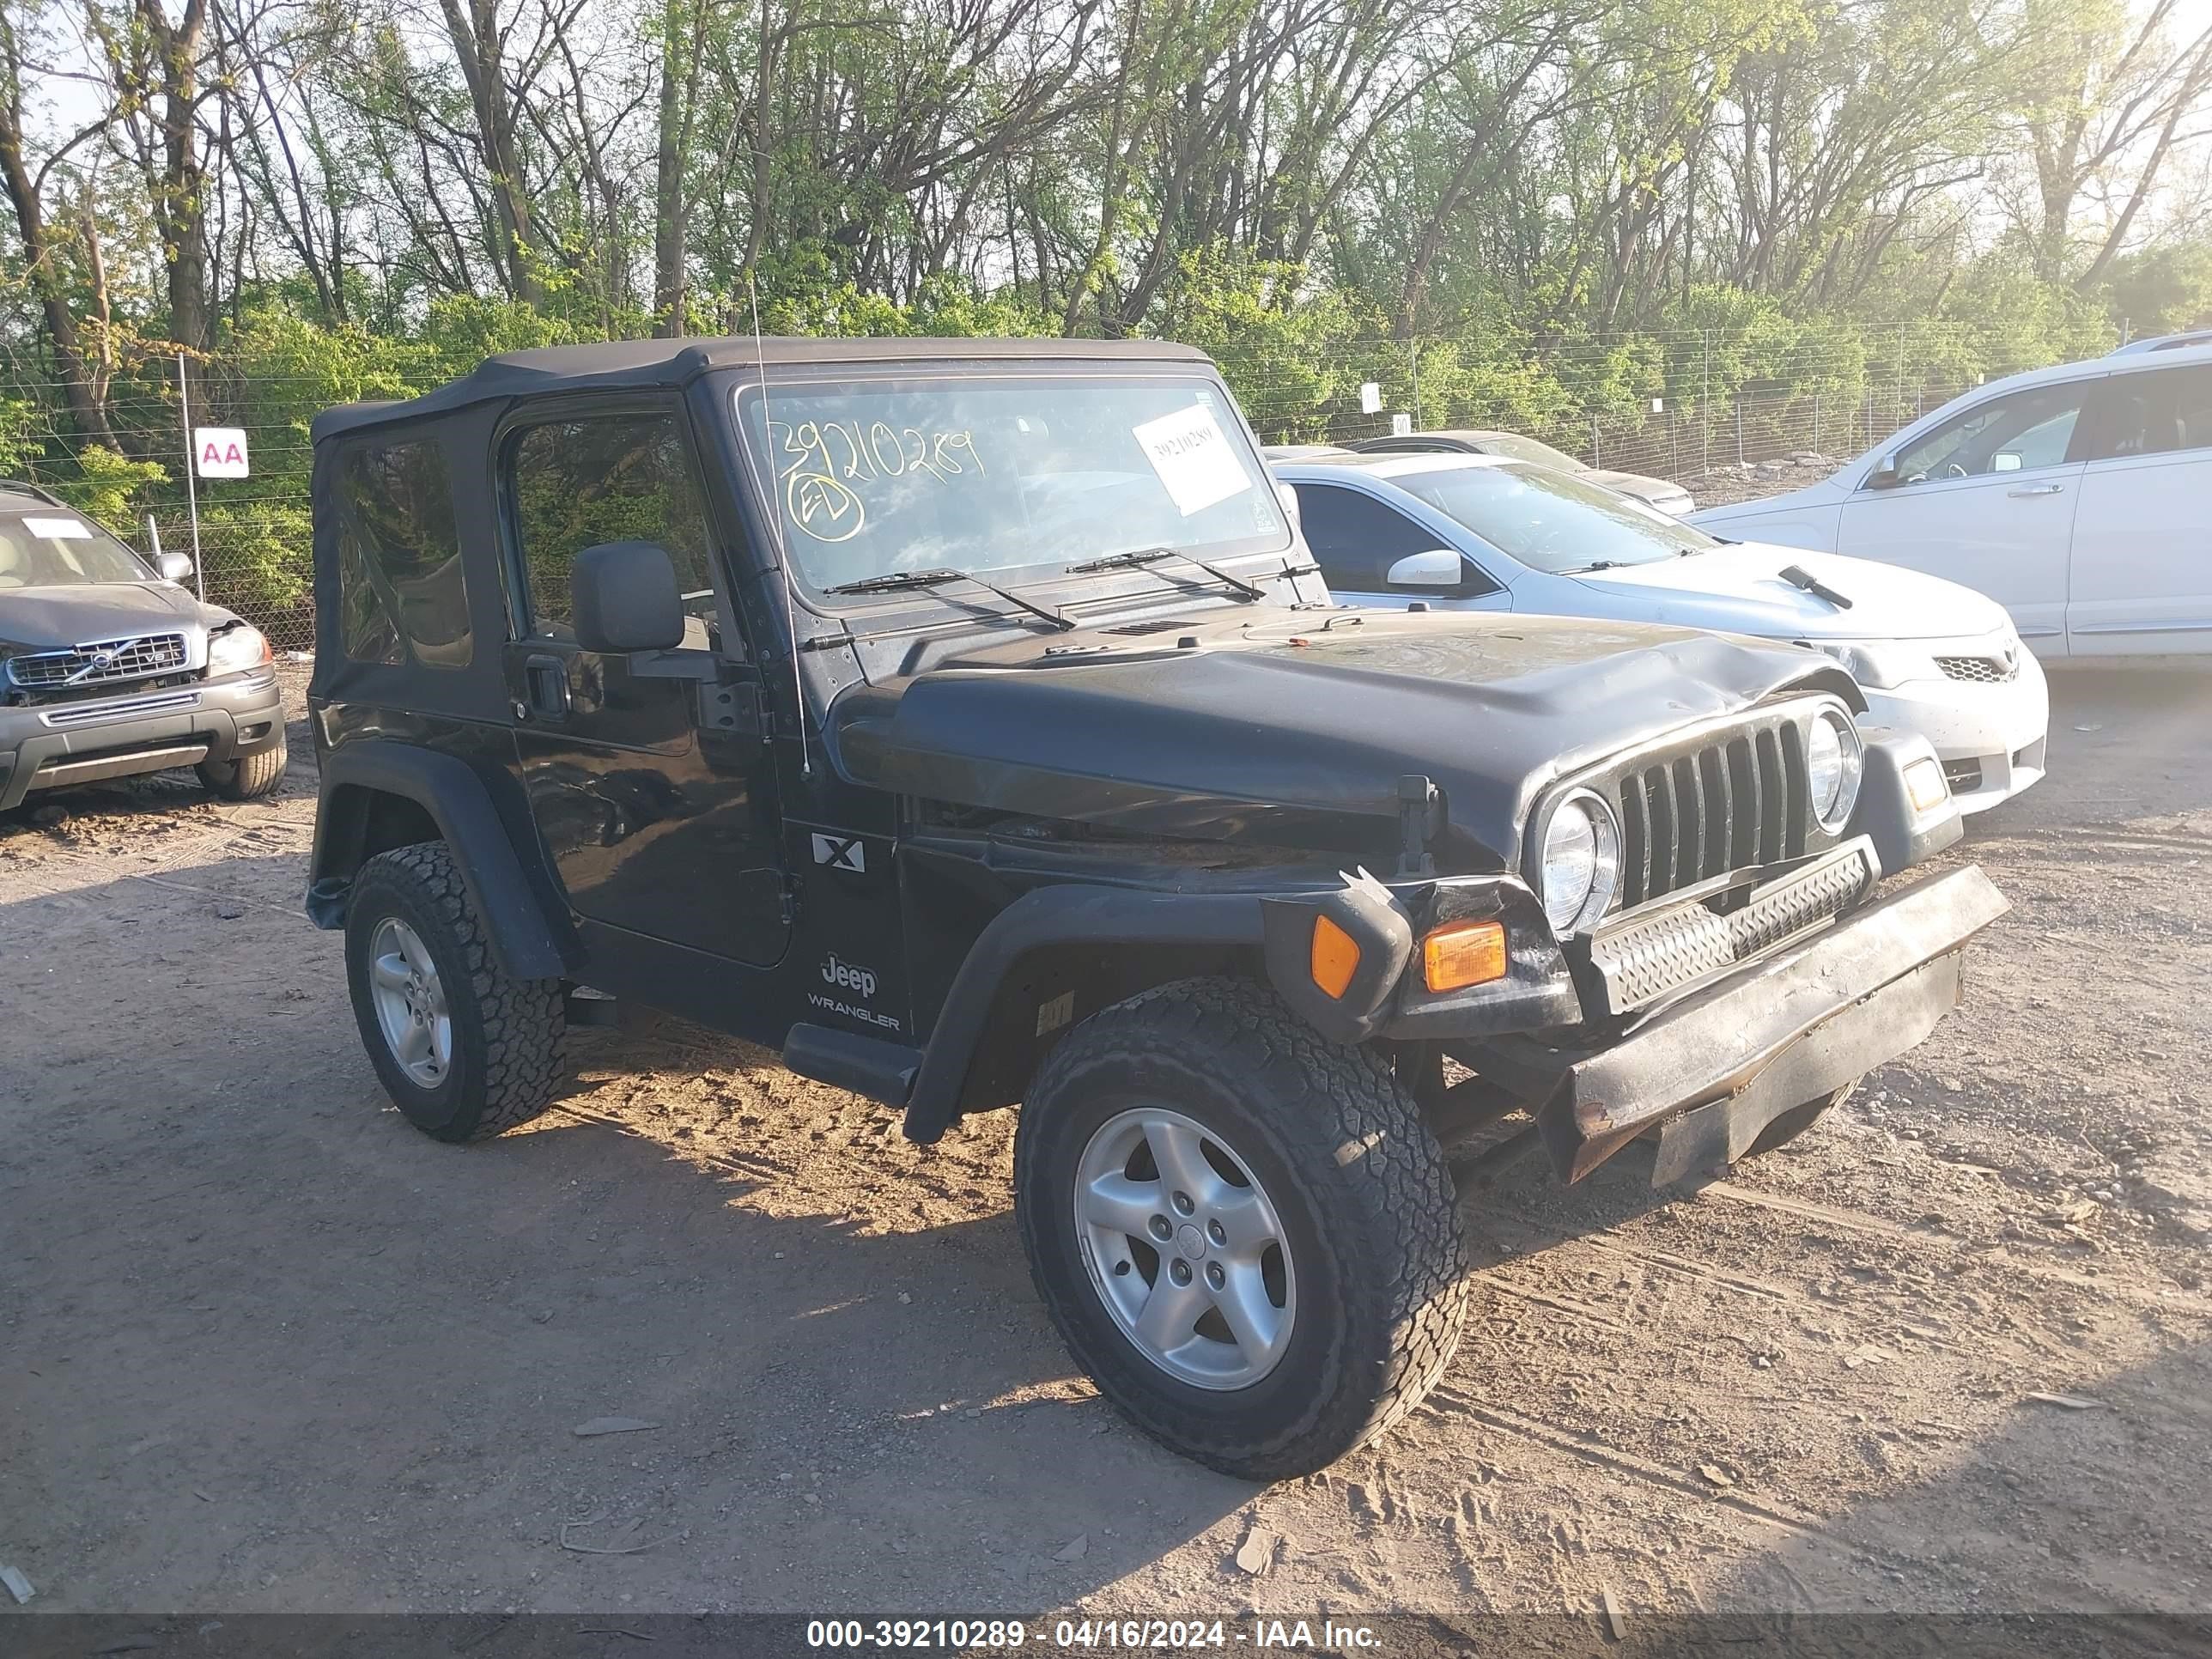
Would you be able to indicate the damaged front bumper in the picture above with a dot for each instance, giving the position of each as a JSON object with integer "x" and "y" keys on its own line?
{"x": 1712, "y": 1069}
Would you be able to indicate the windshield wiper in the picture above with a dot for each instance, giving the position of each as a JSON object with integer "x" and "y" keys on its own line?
{"x": 1797, "y": 576}
{"x": 1595, "y": 566}
{"x": 1154, "y": 554}
{"x": 898, "y": 579}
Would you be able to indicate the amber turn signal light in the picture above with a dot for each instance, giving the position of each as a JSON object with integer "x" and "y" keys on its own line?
{"x": 1463, "y": 953}
{"x": 1925, "y": 783}
{"x": 1335, "y": 956}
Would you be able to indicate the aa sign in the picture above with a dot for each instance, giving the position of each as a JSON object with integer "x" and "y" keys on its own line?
{"x": 219, "y": 451}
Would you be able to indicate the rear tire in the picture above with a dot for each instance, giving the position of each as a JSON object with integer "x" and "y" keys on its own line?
{"x": 247, "y": 777}
{"x": 1212, "y": 1090}
{"x": 464, "y": 1049}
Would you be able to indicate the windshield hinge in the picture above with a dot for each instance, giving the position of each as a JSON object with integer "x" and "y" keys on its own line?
{"x": 1417, "y": 824}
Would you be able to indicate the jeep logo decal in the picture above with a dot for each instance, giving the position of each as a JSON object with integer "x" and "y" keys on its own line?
{"x": 851, "y": 978}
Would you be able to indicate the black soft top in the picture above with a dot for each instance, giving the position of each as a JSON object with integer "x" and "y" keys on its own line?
{"x": 673, "y": 363}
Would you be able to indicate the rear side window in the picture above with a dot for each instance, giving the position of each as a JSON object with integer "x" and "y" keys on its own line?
{"x": 613, "y": 477}
{"x": 2157, "y": 414}
{"x": 401, "y": 593}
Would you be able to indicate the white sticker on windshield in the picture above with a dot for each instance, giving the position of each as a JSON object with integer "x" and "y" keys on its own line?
{"x": 59, "y": 529}
{"x": 1193, "y": 457}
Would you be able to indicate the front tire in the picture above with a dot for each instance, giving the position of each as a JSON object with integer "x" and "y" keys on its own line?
{"x": 1243, "y": 1232}
{"x": 247, "y": 777}
{"x": 464, "y": 1049}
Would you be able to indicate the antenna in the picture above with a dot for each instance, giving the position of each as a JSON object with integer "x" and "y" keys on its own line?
{"x": 776, "y": 529}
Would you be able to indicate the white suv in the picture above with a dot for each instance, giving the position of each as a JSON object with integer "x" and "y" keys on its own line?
{"x": 2079, "y": 497}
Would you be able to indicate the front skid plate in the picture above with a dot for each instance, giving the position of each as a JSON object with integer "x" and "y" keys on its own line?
{"x": 1867, "y": 988}
{"x": 1826, "y": 1057}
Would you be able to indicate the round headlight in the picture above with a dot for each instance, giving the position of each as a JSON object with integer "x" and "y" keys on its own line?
{"x": 1580, "y": 862}
{"x": 1834, "y": 762}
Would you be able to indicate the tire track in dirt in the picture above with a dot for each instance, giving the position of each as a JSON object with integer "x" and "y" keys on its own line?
{"x": 1448, "y": 1399}
{"x": 1875, "y": 1226}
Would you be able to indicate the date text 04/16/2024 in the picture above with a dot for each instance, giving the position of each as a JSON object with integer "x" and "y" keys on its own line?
{"x": 1165, "y": 1635}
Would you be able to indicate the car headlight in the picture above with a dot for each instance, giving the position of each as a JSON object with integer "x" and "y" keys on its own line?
{"x": 1579, "y": 862}
{"x": 1880, "y": 665}
{"x": 236, "y": 649}
{"x": 1835, "y": 762}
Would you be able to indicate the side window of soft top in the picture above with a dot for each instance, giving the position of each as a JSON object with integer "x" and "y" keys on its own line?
{"x": 577, "y": 481}
{"x": 401, "y": 592}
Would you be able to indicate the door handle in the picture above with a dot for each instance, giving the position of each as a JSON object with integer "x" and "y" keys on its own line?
{"x": 2036, "y": 490}
{"x": 547, "y": 678}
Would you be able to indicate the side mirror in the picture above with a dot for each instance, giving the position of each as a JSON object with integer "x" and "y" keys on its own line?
{"x": 169, "y": 567}
{"x": 1885, "y": 476}
{"x": 624, "y": 597}
{"x": 1439, "y": 567}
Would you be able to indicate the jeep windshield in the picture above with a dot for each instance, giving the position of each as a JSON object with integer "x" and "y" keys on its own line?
{"x": 1004, "y": 473}
{"x": 54, "y": 547}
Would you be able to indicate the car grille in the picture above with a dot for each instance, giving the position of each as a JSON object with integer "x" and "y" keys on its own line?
{"x": 1737, "y": 800}
{"x": 102, "y": 663}
{"x": 1992, "y": 671}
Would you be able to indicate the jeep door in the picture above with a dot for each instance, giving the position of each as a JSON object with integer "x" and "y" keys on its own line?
{"x": 662, "y": 825}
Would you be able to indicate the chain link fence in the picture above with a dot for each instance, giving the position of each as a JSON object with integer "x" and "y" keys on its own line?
{"x": 253, "y": 548}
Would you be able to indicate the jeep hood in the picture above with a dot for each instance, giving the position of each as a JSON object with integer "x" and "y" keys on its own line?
{"x": 57, "y": 619}
{"x": 1293, "y": 728}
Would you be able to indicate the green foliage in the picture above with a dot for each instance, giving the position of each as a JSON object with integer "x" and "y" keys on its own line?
{"x": 2166, "y": 289}
{"x": 113, "y": 489}
{"x": 1283, "y": 346}
{"x": 20, "y": 445}
{"x": 263, "y": 551}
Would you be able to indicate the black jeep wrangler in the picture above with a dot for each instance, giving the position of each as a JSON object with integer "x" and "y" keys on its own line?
{"x": 965, "y": 720}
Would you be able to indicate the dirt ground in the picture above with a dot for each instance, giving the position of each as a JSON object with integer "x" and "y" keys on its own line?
{"x": 264, "y": 1347}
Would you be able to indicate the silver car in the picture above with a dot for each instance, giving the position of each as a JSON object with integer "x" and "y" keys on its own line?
{"x": 1662, "y": 493}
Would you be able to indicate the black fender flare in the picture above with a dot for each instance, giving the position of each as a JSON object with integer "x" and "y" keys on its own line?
{"x": 1064, "y": 913}
{"x": 531, "y": 939}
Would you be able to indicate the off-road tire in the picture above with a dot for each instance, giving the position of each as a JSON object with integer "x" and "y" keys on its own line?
{"x": 247, "y": 777}
{"x": 508, "y": 1033}
{"x": 1782, "y": 1130}
{"x": 1367, "y": 1208}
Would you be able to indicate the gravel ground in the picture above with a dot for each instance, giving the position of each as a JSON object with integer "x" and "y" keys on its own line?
{"x": 262, "y": 1347}
{"x": 1725, "y": 486}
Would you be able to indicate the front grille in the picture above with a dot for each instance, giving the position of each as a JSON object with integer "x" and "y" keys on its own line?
{"x": 103, "y": 662}
{"x": 1965, "y": 776}
{"x": 1736, "y": 800}
{"x": 1990, "y": 670}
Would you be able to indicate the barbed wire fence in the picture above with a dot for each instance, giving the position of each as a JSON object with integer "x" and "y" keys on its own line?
{"x": 1720, "y": 441}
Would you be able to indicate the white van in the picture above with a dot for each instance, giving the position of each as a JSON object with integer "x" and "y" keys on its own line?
{"x": 2079, "y": 497}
